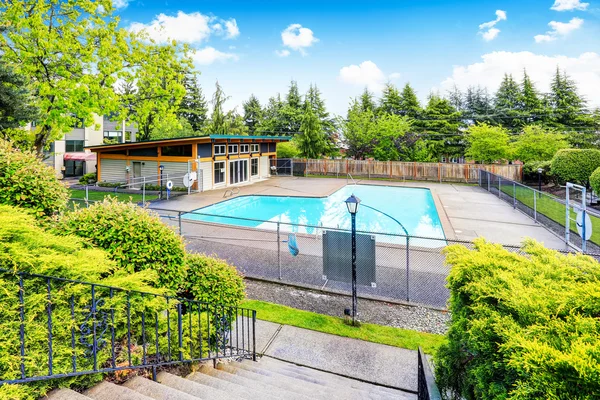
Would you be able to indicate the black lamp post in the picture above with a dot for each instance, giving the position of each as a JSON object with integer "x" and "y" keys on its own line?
{"x": 161, "y": 168}
{"x": 540, "y": 170}
{"x": 352, "y": 203}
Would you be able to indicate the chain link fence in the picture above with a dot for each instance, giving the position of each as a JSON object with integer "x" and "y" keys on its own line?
{"x": 544, "y": 208}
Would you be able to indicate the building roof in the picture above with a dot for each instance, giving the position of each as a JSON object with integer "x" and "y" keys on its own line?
{"x": 190, "y": 138}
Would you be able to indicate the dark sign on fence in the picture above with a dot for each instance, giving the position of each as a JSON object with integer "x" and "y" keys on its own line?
{"x": 337, "y": 258}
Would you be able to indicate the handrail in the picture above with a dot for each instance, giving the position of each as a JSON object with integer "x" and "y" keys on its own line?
{"x": 83, "y": 319}
{"x": 348, "y": 175}
{"x": 231, "y": 192}
{"x": 426, "y": 387}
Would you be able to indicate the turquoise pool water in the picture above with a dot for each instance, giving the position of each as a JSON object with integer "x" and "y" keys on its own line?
{"x": 413, "y": 207}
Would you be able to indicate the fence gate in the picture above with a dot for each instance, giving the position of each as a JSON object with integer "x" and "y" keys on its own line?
{"x": 577, "y": 214}
{"x": 282, "y": 166}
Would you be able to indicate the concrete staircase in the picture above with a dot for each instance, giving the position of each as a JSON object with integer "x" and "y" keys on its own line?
{"x": 266, "y": 379}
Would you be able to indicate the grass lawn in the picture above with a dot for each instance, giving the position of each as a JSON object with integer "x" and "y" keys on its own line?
{"x": 99, "y": 196}
{"x": 397, "y": 337}
{"x": 552, "y": 209}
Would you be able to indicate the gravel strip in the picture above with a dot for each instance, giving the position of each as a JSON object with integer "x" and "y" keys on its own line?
{"x": 415, "y": 318}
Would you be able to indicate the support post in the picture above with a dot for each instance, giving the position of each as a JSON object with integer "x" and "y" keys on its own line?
{"x": 534, "y": 206}
{"x": 514, "y": 195}
{"x": 499, "y": 187}
{"x": 567, "y": 217}
{"x": 87, "y": 197}
{"x": 179, "y": 221}
{"x": 279, "y": 249}
{"x": 407, "y": 267}
{"x": 354, "y": 299}
{"x": 253, "y": 335}
{"x": 144, "y": 191}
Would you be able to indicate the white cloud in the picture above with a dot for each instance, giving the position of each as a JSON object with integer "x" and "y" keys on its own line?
{"x": 120, "y": 4}
{"x": 559, "y": 29}
{"x": 192, "y": 28}
{"x": 298, "y": 38}
{"x": 282, "y": 53}
{"x": 585, "y": 70}
{"x": 569, "y": 5}
{"x": 394, "y": 76}
{"x": 209, "y": 55}
{"x": 489, "y": 32}
{"x": 366, "y": 74}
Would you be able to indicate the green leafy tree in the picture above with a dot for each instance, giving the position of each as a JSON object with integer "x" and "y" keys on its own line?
{"x": 273, "y": 122}
{"x": 287, "y": 150}
{"x": 359, "y": 130}
{"x": 235, "y": 123}
{"x": 71, "y": 52}
{"x": 391, "y": 102}
{"x": 575, "y": 165}
{"x": 538, "y": 144}
{"x": 17, "y": 105}
{"x": 193, "y": 107}
{"x": 311, "y": 141}
{"x": 291, "y": 112}
{"x": 487, "y": 144}
{"x": 219, "y": 124}
{"x": 390, "y": 140}
{"x": 253, "y": 114}
{"x": 313, "y": 96}
{"x": 169, "y": 129}
{"x": 477, "y": 105}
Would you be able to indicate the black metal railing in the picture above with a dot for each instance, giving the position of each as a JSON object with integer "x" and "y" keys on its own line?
{"x": 426, "y": 387}
{"x": 56, "y": 328}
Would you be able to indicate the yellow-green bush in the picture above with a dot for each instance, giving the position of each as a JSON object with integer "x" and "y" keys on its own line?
{"x": 26, "y": 182}
{"x": 211, "y": 280}
{"x": 133, "y": 236}
{"x": 523, "y": 326}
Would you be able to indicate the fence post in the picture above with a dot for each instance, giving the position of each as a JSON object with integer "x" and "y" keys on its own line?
{"x": 488, "y": 180}
{"x": 279, "y": 250}
{"x": 534, "y": 206}
{"x": 144, "y": 191}
{"x": 514, "y": 195}
{"x": 180, "y": 331}
{"x": 179, "y": 220}
{"x": 479, "y": 177}
{"x": 253, "y": 335}
{"x": 499, "y": 187}
{"x": 407, "y": 268}
{"x": 86, "y": 193}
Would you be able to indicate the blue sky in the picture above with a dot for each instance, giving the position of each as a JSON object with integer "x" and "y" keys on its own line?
{"x": 343, "y": 46}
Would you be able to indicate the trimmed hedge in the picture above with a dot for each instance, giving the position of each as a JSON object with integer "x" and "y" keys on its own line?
{"x": 134, "y": 237}
{"x": 26, "y": 182}
{"x": 575, "y": 165}
{"x": 212, "y": 280}
{"x": 523, "y": 326}
{"x": 88, "y": 179}
{"x": 595, "y": 180}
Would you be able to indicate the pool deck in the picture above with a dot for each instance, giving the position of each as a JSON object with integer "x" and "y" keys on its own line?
{"x": 466, "y": 212}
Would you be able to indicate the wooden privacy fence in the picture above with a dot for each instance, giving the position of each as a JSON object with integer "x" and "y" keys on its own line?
{"x": 441, "y": 172}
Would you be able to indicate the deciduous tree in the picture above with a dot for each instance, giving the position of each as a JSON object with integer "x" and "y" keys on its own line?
{"x": 538, "y": 144}
{"x": 487, "y": 144}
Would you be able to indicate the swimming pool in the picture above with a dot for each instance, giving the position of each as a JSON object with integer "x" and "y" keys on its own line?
{"x": 413, "y": 207}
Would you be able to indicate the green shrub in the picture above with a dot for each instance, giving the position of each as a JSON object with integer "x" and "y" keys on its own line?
{"x": 25, "y": 181}
{"x": 575, "y": 165}
{"x": 88, "y": 179}
{"x": 26, "y": 247}
{"x": 523, "y": 326}
{"x": 214, "y": 281}
{"x": 530, "y": 171}
{"x": 595, "y": 180}
{"x": 134, "y": 237}
{"x": 287, "y": 150}
{"x": 110, "y": 184}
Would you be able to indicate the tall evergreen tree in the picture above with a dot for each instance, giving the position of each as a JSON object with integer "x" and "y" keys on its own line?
{"x": 291, "y": 112}
{"x": 311, "y": 141}
{"x": 193, "y": 106}
{"x": 530, "y": 100}
{"x": 272, "y": 122}
{"x": 507, "y": 103}
{"x": 391, "y": 102}
{"x": 409, "y": 103}
{"x": 442, "y": 128}
{"x": 564, "y": 99}
{"x": 366, "y": 101}
{"x": 253, "y": 114}
{"x": 17, "y": 105}
{"x": 478, "y": 104}
{"x": 313, "y": 96}
{"x": 456, "y": 98}
{"x": 218, "y": 120}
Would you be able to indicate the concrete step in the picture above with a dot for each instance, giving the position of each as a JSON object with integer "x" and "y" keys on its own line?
{"x": 65, "y": 394}
{"x": 325, "y": 378}
{"x": 156, "y": 390}
{"x": 109, "y": 391}
{"x": 194, "y": 388}
{"x": 230, "y": 387}
{"x": 224, "y": 372}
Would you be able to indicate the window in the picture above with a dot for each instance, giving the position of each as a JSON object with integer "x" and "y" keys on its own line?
{"x": 254, "y": 148}
{"x": 232, "y": 149}
{"x": 244, "y": 148}
{"x": 72, "y": 146}
{"x": 219, "y": 172}
{"x": 254, "y": 166}
{"x": 177, "y": 151}
{"x": 112, "y": 137}
{"x": 220, "y": 150}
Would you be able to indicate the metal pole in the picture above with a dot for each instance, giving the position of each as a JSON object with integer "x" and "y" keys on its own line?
{"x": 160, "y": 178}
{"x": 583, "y": 215}
{"x": 488, "y": 180}
{"x": 499, "y": 187}
{"x": 540, "y": 182}
{"x": 567, "y": 217}
{"x": 253, "y": 335}
{"x": 407, "y": 267}
{"x": 86, "y": 193}
{"x": 534, "y": 206}
{"x": 279, "y": 250}
{"x": 354, "y": 300}
{"x": 144, "y": 191}
{"x": 179, "y": 219}
{"x": 514, "y": 195}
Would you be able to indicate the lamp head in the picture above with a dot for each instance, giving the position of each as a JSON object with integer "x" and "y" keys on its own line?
{"x": 540, "y": 170}
{"x": 352, "y": 203}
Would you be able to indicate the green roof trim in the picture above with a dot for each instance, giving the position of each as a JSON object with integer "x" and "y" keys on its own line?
{"x": 262, "y": 137}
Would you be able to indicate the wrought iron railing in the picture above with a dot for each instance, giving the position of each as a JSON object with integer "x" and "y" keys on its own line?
{"x": 56, "y": 328}
{"x": 426, "y": 387}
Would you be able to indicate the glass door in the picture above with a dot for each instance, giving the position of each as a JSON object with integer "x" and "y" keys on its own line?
{"x": 238, "y": 171}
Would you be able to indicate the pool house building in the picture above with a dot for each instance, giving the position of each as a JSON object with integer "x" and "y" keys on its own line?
{"x": 215, "y": 161}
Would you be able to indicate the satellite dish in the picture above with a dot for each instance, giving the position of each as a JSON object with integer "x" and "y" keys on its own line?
{"x": 169, "y": 185}
{"x": 579, "y": 221}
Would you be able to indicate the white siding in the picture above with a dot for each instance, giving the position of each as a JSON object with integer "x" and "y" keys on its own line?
{"x": 113, "y": 170}
{"x": 207, "y": 176}
{"x": 149, "y": 169}
{"x": 264, "y": 167}
{"x": 176, "y": 171}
